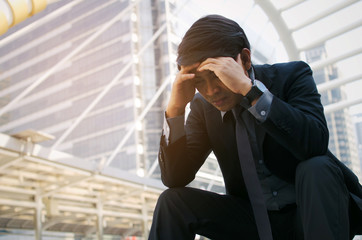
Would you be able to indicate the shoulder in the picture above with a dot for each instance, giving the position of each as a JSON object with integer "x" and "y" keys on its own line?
{"x": 201, "y": 108}
{"x": 282, "y": 77}
{"x": 199, "y": 103}
{"x": 283, "y": 67}
{"x": 283, "y": 72}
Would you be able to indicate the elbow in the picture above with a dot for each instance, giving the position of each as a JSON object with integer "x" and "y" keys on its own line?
{"x": 174, "y": 177}
{"x": 317, "y": 145}
{"x": 175, "y": 182}
{"x": 172, "y": 184}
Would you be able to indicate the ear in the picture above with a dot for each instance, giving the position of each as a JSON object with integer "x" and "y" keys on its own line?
{"x": 245, "y": 56}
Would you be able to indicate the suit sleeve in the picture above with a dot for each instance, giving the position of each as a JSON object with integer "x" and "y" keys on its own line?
{"x": 296, "y": 119}
{"x": 180, "y": 160}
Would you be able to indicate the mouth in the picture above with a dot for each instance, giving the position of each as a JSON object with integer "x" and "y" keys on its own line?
{"x": 219, "y": 102}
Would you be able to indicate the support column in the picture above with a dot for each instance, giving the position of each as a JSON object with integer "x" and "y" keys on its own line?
{"x": 38, "y": 217}
{"x": 99, "y": 219}
{"x": 145, "y": 216}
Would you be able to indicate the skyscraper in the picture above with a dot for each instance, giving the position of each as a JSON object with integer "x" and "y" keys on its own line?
{"x": 79, "y": 75}
{"x": 358, "y": 125}
{"x": 342, "y": 141}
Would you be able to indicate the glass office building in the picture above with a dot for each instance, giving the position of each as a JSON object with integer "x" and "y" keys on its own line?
{"x": 96, "y": 93}
{"x": 358, "y": 126}
{"x": 342, "y": 138}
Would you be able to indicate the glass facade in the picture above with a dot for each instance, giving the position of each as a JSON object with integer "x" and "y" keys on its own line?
{"x": 342, "y": 140}
{"x": 61, "y": 98}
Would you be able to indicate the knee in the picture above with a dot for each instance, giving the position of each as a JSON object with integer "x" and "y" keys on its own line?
{"x": 170, "y": 195}
{"x": 318, "y": 169}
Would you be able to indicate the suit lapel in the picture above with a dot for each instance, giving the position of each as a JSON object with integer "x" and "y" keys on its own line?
{"x": 266, "y": 74}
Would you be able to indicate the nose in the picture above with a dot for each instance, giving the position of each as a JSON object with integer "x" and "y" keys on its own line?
{"x": 211, "y": 87}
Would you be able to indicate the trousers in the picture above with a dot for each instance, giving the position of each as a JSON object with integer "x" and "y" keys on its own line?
{"x": 320, "y": 211}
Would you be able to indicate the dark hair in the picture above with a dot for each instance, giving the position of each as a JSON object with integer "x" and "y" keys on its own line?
{"x": 211, "y": 36}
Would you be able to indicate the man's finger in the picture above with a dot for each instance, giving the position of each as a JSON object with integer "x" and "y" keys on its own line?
{"x": 187, "y": 76}
{"x": 208, "y": 66}
{"x": 214, "y": 63}
{"x": 185, "y": 69}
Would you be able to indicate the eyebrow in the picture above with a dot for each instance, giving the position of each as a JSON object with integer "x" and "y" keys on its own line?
{"x": 204, "y": 73}
{"x": 194, "y": 71}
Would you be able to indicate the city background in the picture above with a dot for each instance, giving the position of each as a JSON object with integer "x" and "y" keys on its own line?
{"x": 84, "y": 85}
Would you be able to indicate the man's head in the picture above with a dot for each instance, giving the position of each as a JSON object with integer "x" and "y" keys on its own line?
{"x": 211, "y": 36}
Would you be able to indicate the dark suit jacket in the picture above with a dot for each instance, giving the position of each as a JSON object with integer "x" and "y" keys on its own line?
{"x": 295, "y": 130}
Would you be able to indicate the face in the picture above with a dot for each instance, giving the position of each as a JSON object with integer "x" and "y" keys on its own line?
{"x": 215, "y": 92}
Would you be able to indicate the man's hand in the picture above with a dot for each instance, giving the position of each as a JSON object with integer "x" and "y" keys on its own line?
{"x": 232, "y": 73}
{"x": 183, "y": 91}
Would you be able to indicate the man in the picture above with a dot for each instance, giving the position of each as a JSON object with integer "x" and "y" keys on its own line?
{"x": 304, "y": 190}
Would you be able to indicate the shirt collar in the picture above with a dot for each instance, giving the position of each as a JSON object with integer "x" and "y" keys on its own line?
{"x": 251, "y": 73}
{"x": 222, "y": 115}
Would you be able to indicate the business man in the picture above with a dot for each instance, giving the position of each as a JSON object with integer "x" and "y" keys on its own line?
{"x": 266, "y": 127}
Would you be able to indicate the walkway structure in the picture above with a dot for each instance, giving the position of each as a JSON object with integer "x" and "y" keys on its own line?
{"x": 49, "y": 191}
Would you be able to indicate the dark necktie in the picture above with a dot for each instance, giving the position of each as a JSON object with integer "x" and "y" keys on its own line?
{"x": 250, "y": 176}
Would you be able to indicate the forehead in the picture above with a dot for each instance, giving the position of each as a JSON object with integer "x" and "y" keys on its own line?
{"x": 204, "y": 74}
